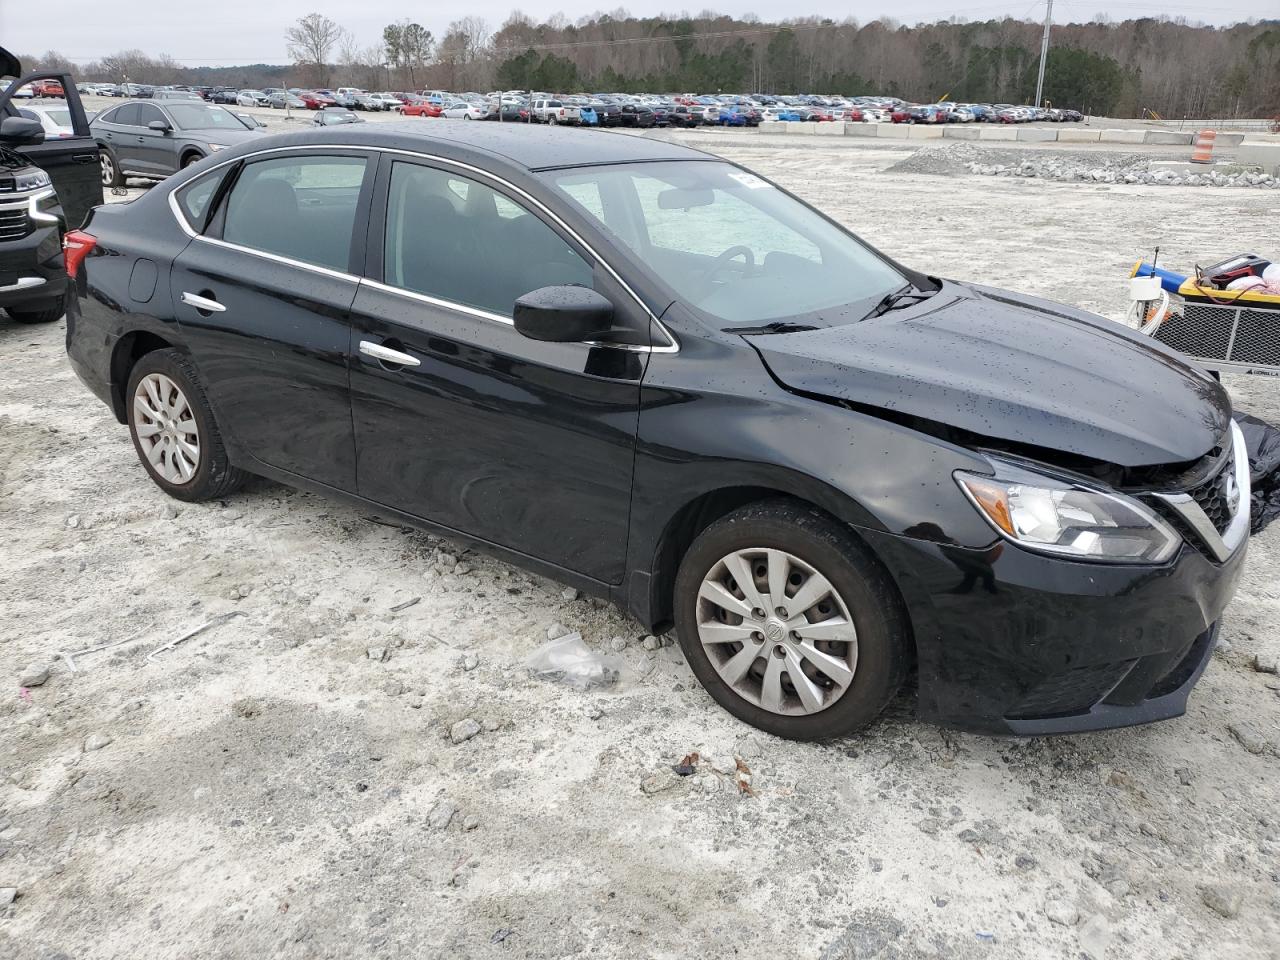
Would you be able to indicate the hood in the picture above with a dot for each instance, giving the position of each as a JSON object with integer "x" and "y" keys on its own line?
{"x": 1013, "y": 369}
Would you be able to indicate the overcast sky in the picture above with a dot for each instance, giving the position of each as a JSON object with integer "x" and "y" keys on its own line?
{"x": 252, "y": 31}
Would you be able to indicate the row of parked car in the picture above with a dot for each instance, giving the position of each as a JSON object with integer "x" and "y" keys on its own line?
{"x": 981, "y": 113}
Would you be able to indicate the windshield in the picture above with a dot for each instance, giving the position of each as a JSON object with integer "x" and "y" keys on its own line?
{"x": 201, "y": 116}
{"x": 730, "y": 244}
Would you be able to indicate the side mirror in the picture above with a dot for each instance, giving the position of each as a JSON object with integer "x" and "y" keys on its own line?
{"x": 20, "y": 132}
{"x": 564, "y": 315}
{"x": 160, "y": 125}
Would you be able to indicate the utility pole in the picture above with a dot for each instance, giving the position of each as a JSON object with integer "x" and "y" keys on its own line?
{"x": 1044, "y": 52}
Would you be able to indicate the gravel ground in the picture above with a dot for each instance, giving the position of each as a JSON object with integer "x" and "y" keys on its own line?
{"x": 301, "y": 779}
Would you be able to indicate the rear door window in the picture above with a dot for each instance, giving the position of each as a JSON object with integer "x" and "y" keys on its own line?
{"x": 127, "y": 115}
{"x": 303, "y": 208}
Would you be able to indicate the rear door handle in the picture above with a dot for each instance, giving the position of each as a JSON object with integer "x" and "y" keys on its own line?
{"x": 387, "y": 355}
{"x": 83, "y": 157}
{"x": 202, "y": 303}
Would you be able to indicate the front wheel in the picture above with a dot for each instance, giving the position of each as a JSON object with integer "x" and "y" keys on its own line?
{"x": 790, "y": 623}
{"x": 111, "y": 175}
{"x": 173, "y": 430}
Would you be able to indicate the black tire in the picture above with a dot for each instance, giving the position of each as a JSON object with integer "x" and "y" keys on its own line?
{"x": 873, "y": 601}
{"x": 214, "y": 476}
{"x": 43, "y": 315}
{"x": 116, "y": 177}
{"x": 190, "y": 159}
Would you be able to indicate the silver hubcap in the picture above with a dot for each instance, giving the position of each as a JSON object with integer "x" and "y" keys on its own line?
{"x": 108, "y": 170}
{"x": 776, "y": 631}
{"x": 166, "y": 428}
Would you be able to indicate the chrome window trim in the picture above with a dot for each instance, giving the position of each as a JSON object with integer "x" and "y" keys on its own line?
{"x": 1225, "y": 544}
{"x": 672, "y": 345}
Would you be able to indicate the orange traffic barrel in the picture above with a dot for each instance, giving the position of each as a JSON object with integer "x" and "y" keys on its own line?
{"x": 1202, "y": 152}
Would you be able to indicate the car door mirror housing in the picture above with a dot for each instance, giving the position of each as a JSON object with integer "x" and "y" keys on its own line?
{"x": 20, "y": 132}
{"x": 564, "y": 315}
{"x": 160, "y": 125}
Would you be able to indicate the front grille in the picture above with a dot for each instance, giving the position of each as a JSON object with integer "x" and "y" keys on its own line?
{"x": 8, "y": 184}
{"x": 13, "y": 223}
{"x": 1212, "y": 497}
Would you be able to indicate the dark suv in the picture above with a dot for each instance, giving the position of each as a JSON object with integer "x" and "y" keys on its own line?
{"x": 45, "y": 188}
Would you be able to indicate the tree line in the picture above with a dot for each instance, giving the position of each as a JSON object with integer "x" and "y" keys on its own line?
{"x": 1163, "y": 65}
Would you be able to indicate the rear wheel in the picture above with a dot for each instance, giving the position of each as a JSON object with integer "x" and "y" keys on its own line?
{"x": 45, "y": 315}
{"x": 789, "y": 622}
{"x": 174, "y": 432}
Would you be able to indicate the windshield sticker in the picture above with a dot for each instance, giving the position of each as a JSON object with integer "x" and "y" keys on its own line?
{"x": 750, "y": 181}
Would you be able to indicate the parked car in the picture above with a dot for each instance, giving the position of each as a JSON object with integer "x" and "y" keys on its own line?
{"x": 690, "y": 395}
{"x": 178, "y": 95}
{"x": 44, "y": 188}
{"x": 330, "y": 116}
{"x": 681, "y": 115}
{"x": 368, "y": 101}
{"x": 556, "y": 111}
{"x": 54, "y": 120}
{"x": 313, "y": 100}
{"x": 252, "y": 98}
{"x": 153, "y": 140}
{"x": 283, "y": 99}
{"x": 48, "y": 88}
{"x": 420, "y": 107}
{"x": 636, "y": 115}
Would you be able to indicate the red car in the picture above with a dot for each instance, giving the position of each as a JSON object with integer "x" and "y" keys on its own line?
{"x": 901, "y": 115}
{"x": 47, "y": 88}
{"x": 315, "y": 101}
{"x": 418, "y": 107}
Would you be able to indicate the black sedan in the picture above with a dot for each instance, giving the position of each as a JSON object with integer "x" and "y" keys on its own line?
{"x": 660, "y": 378}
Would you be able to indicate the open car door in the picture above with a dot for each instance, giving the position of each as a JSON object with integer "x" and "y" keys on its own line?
{"x": 71, "y": 162}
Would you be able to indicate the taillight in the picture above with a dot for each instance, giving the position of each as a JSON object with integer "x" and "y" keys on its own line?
{"x": 75, "y": 247}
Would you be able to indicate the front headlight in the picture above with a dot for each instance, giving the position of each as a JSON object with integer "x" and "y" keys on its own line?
{"x": 31, "y": 181}
{"x": 1065, "y": 518}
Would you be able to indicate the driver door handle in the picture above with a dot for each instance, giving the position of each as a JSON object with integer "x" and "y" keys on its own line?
{"x": 387, "y": 355}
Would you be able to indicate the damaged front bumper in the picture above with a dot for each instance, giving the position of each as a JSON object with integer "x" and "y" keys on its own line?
{"x": 1012, "y": 641}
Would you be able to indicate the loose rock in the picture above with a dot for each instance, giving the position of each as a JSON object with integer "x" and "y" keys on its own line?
{"x": 470, "y": 661}
{"x": 441, "y": 815}
{"x": 96, "y": 741}
{"x": 379, "y": 654}
{"x": 1248, "y": 737}
{"x": 34, "y": 675}
{"x": 1266, "y": 664}
{"x": 1222, "y": 900}
{"x": 1061, "y": 912}
{"x": 651, "y": 643}
{"x": 464, "y": 730}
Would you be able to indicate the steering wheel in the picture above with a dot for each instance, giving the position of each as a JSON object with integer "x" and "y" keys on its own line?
{"x": 738, "y": 250}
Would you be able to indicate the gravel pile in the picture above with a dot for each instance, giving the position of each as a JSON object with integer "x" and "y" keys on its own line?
{"x": 1078, "y": 166}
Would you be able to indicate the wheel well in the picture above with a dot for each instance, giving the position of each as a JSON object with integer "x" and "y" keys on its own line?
{"x": 131, "y": 348}
{"x": 187, "y": 155}
{"x": 700, "y": 513}
{"x": 689, "y": 521}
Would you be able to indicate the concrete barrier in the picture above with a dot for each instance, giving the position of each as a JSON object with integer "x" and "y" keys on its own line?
{"x": 1228, "y": 140}
{"x": 1037, "y": 135}
{"x": 1169, "y": 136}
{"x": 893, "y": 131}
{"x": 831, "y": 129}
{"x": 1000, "y": 131}
{"x": 961, "y": 133}
{"x": 919, "y": 132}
{"x": 772, "y": 126}
{"x": 1257, "y": 154}
{"x": 852, "y": 129}
{"x": 1125, "y": 136}
{"x": 1076, "y": 135}
{"x": 803, "y": 127}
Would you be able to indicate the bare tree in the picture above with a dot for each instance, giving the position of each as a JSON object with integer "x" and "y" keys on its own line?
{"x": 310, "y": 41}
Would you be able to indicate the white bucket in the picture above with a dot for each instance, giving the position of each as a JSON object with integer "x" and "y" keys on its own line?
{"x": 1144, "y": 288}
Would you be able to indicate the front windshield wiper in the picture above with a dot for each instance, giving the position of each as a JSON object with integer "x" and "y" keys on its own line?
{"x": 778, "y": 326}
{"x": 899, "y": 298}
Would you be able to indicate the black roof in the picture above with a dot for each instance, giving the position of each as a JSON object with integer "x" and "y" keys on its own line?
{"x": 529, "y": 146}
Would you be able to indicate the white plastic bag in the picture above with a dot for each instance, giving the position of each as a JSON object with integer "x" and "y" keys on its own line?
{"x": 569, "y": 661}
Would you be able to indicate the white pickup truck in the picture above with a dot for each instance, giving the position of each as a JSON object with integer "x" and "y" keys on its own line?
{"x": 553, "y": 111}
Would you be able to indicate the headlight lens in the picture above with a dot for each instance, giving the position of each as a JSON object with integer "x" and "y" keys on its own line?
{"x": 1068, "y": 519}
{"x": 31, "y": 181}
{"x": 215, "y": 147}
